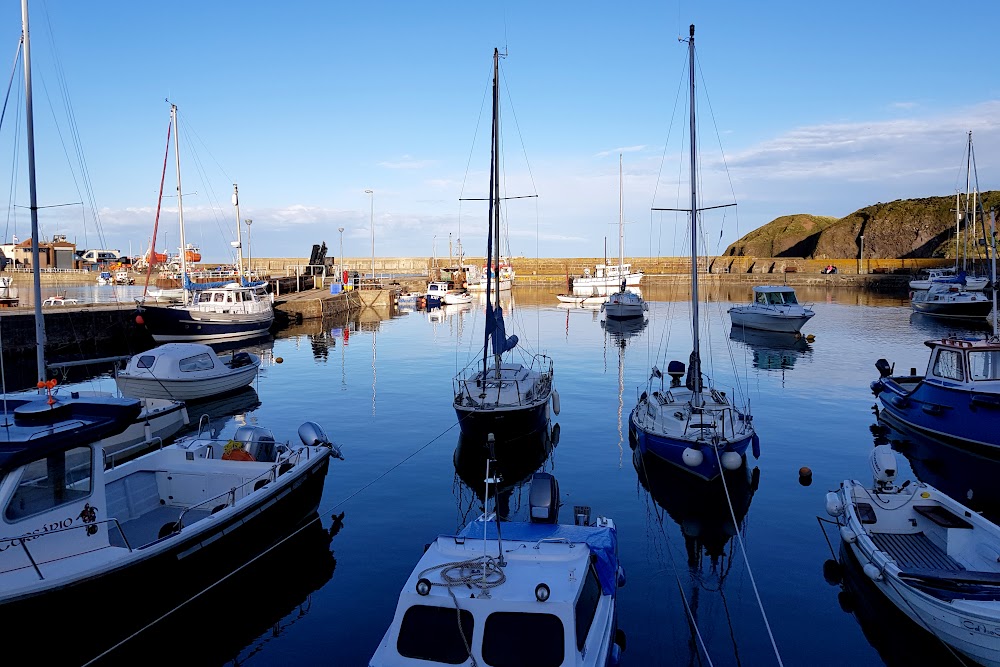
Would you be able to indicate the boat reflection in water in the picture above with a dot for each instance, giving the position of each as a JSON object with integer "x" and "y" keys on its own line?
{"x": 701, "y": 510}
{"x": 621, "y": 330}
{"x": 513, "y": 462}
{"x": 214, "y": 414}
{"x": 969, "y": 478}
{"x": 256, "y": 605}
{"x": 772, "y": 350}
{"x": 936, "y": 327}
{"x": 898, "y": 640}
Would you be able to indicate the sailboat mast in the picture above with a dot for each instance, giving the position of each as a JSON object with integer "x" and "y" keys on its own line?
{"x": 489, "y": 233}
{"x": 968, "y": 185}
{"x": 621, "y": 220}
{"x": 239, "y": 238}
{"x": 993, "y": 268}
{"x": 180, "y": 203}
{"x": 495, "y": 194}
{"x": 694, "y": 370}
{"x": 33, "y": 199}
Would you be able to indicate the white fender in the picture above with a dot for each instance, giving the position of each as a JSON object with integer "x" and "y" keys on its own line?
{"x": 555, "y": 401}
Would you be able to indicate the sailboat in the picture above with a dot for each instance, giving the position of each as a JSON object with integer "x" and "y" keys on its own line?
{"x": 623, "y": 304}
{"x": 692, "y": 424}
{"x": 505, "y": 398}
{"x": 209, "y": 311}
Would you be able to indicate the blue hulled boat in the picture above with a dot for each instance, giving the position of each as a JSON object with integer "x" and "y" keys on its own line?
{"x": 956, "y": 400}
{"x": 692, "y": 424}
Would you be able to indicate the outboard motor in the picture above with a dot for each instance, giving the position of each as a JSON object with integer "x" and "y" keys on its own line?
{"x": 543, "y": 499}
{"x": 883, "y": 462}
{"x": 240, "y": 359}
{"x": 883, "y": 367}
{"x": 258, "y": 442}
{"x": 675, "y": 369}
{"x": 312, "y": 435}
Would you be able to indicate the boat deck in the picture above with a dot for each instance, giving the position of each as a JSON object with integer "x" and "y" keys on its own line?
{"x": 915, "y": 551}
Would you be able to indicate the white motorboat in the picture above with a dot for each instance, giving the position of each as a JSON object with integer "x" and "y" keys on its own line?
{"x": 774, "y": 308}
{"x": 186, "y": 372}
{"x": 506, "y": 398}
{"x": 605, "y": 279}
{"x": 948, "y": 275}
{"x": 60, "y": 300}
{"x": 456, "y": 297}
{"x": 513, "y": 593}
{"x": 593, "y": 300}
{"x": 935, "y": 559}
{"x": 949, "y": 300}
{"x": 104, "y": 278}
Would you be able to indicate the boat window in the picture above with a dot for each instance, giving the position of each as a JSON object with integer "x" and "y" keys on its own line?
{"x": 540, "y": 640}
{"x": 774, "y": 298}
{"x": 229, "y": 298}
{"x": 790, "y": 297}
{"x": 219, "y": 297}
{"x": 761, "y": 298}
{"x": 199, "y": 362}
{"x": 432, "y": 634}
{"x": 49, "y": 482}
{"x": 985, "y": 365}
{"x": 586, "y": 606}
{"x": 146, "y": 361}
{"x": 949, "y": 365}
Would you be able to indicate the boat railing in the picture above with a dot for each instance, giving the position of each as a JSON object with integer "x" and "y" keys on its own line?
{"x": 127, "y": 453}
{"x": 91, "y": 528}
{"x": 278, "y": 468}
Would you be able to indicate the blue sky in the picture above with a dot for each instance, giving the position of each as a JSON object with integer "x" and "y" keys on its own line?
{"x": 814, "y": 107}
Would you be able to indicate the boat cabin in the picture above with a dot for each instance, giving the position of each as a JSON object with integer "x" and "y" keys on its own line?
{"x": 231, "y": 298}
{"x": 774, "y": 295}
{"x": 975, "y": 362}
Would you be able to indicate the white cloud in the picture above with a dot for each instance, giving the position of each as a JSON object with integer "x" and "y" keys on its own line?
{"x": 407, "y": 162}
{"x": 624, "y": 149}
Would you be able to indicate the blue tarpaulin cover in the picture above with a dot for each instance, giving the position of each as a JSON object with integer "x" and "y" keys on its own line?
{"x": 602, "y": 541}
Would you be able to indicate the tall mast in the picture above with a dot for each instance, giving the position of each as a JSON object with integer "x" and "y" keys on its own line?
{"x": 239, "y": 238}
{"x": 180, "y": 203}
{"x": 968, "y": 185}
{"x": 694, "y": 370}
{"x": 621, "y": 219}
{"x": 495, "y": 194}
{"x": 993, "y": 267}
{"x": 492, "y": 210}
{"x": 33, "y": 199}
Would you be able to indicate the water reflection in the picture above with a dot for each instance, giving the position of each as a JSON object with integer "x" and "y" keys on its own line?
{"x": 512, "y": 462}
{"x": 898, "y": 640}
{"x": 967, "y": 477}
{"x": 772, "y": 351}
{"x": 621, "y": 330}
{"x": 254, "y": 606}
{"x": 937, "y": 327}
{"x": 214, "y": 414}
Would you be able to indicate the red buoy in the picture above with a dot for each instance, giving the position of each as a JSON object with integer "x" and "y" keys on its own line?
{"x": 139, "y": 320}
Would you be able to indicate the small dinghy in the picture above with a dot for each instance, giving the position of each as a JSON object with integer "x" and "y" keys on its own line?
{"x": 932, "y": 557}
{"x": 186, "y": 372}
{"x": 513, "y": 593}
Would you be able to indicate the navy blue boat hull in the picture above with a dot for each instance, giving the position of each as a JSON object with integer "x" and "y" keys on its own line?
{"x": 172, "y": 324}
{"x": 672, "y": 451}
{"x": 503, "y": 423}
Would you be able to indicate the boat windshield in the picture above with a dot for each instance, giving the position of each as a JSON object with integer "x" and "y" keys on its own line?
{"x": 433, "y": 634}
{"x": 49, "y": 482}
{"x": 776, "y": 298}
{"x": 985, "y": 365}
{"x": 540, "y": 641}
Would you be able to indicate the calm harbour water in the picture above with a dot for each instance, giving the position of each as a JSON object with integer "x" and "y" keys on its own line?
{"x": 382, "y": 389}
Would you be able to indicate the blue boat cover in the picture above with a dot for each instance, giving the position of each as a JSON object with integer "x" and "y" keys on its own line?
{"x": 188, "y": 285}
{"x": 603, "y": 542}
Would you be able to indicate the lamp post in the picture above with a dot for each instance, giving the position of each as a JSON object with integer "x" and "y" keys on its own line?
{"x": 861, "y": 260}
{"x": 434, "y": 250}
{"x": 341, "y": 272}
{"x": 249, "y": 222}
{"x": 371, "y": 219}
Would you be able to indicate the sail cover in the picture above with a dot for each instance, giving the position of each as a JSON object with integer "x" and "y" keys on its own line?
{"x": 498, "y": 333}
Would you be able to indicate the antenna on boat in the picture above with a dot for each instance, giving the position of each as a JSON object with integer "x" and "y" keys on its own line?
{"x": 993, "y": 268}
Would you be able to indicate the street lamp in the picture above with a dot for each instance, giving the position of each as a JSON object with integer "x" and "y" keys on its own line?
{"x": 434, "y": 250}
{"x": 861, "y": 260}
{"x": 249, "y": 222}
{"x": 372, "y": 223}
{"x": 341, "y": 230}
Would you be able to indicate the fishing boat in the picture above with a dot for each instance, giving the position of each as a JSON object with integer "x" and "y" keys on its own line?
{"x": 950, "y": 300}
{"x": 774, "y": 308}
{"x": 533, "y": 592}
{"x": 186, "y": 372}
{"x": 503, "y": 397}
{"x": 435, "y": 292}
{"x": 692, "y": 424}
{"x": 105, "y": 278}
{"x": 958, "y": 396}
{"x": 502, "y": 279}
{"x": 933, "y": 558}
{"x": 624, "y": 304}
{"x": 208, "y": 311}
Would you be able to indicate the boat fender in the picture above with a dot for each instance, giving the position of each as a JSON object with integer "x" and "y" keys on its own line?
{"x": 833, "y": 572}
{"x": 731, "y": 460}
{"x": 692, "y": 457}
{"x": 621, "y": 577}
{"x": 848, "y": 535}
{"x": 834, "y": 505}
{"x": 873, "y": 572}
{"x": 755, "y": 446}
{"x": 423, "y": 586}
{"x": 555, "y": 402}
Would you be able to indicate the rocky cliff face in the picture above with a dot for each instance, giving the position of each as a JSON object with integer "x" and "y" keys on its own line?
{"x": 903, "y": 229}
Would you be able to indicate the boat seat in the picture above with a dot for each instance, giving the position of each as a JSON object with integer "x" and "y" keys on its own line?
{"x": 866, "y": 513}
{"x": 942, "y": 516}
{"x": 915, "y": 551}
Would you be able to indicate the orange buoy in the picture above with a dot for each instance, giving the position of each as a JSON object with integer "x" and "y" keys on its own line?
{"x": 139, "y": 320}
{"x": 804, "y": 471}
{"x": 278, "y": 360}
